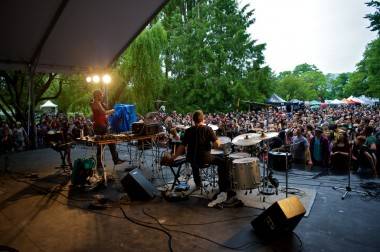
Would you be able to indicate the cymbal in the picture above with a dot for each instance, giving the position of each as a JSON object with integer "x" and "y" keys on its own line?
{"x": 247, "y": 139}
{"x": 216, "y": 152}
{"x": 224, "y": 140}
{"x": 52, "y": 132}
{"x": 213, "y": 127}
{"x": 258, "y": 129}
{"x": 181, "y": 127}
{"x": 268, "y": 135}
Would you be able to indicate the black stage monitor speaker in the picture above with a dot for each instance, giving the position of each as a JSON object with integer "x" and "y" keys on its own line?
{"x": 281, "y": 217}
{"x": 138, "y": 187}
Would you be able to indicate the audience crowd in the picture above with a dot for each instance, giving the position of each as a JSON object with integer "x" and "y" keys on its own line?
{"x": 322, "y": 137}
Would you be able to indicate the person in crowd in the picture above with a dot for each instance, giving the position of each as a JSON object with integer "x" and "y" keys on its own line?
{"x": 299, "y": 147}
{"x": 340, "y": 153}
{"x": 365, "y": 161}
{"x": 6, "y": 140}
{"x": 319, "y": 149}
{"x": 20, "y": 137}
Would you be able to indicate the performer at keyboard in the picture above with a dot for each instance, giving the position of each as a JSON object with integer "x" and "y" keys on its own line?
{"x": 100, "y": 114}
{"x": 198, "y": 140}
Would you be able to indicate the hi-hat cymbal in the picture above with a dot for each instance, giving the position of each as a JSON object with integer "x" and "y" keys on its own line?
{"x": 247, "y": 139}
{"x": 181, "y": 127}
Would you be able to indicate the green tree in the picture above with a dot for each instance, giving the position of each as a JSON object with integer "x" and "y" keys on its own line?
{"x": 15, "y": 101}
{"x": 374, "y": 18}
{"x": 294, "y": 87}
{"x": 304, "y": 68}
{"x": 338, "y": 85}
{"x": 316, "y": 81}
{"x": 366, "y": 78}
{"x": 211, "y": 62}
{"x": 139, "y": 75}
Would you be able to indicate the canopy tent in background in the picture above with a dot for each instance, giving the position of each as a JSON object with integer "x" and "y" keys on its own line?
{"x": 334, "y": 102}
{"x": 295, "y": 101}
{"x": 349, "y": 102}
{"x": 355, "y": 100}
{"x": 314, "y": 102}
{"x": 368, "y": 100}
{"x": 48, "y": 106}
{"x": 64, "y": 36}
{"x": 275, "y": 100}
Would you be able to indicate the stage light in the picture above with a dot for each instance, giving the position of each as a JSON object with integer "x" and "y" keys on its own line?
{"x": 106, "y": 79}
{"x": 88, "y": 79}
{"x": 95, "y": 78}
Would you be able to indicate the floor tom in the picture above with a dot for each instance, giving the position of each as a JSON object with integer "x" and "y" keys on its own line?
{"x": 245, "y": 173}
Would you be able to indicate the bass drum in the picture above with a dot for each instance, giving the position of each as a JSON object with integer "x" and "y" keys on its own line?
{"x": 245, "y": 173}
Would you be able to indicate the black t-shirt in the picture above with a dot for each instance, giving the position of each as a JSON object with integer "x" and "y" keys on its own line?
{"x": 198, "y": 141}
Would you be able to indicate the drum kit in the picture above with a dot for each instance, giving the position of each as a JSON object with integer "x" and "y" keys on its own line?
{"x": 244, "y": 167}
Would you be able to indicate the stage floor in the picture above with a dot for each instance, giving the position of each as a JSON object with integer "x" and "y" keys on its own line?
{"x": 42, "y": 214}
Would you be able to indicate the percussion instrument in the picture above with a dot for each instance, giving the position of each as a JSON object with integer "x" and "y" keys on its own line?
{"x": 225, "y": 145}
{"x": 268, "y": 135}
{"x": 152, "y": 128}
{"x": 216, "y": 152}
{"x": 277, "y": 160}
{"x": 137, "y": 128}
{"x": 213, "y": 127}
{"x": 238, "y": 155}
{"x": 245, "y": 173}
{"x": 181, "y": 127}
{"x": 248, "y": 139}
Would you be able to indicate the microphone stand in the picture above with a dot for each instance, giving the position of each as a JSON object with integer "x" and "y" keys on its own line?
{"x": 286, "y": 174}
{"x": 346, "y": 190}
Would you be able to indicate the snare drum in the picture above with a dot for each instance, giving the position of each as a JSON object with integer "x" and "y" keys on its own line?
{"x": 245, "y": 173}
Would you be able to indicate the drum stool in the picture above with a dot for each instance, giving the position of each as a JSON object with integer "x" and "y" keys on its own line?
{"x": 208, "y": 175}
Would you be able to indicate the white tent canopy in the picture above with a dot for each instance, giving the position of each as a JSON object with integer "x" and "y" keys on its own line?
{"x": 70, "y": 36}
{"x": 48, "y": 104}
{"x": 336, "y": 102}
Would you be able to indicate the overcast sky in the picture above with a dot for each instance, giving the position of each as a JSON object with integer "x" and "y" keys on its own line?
{"x": 330, "y": 34}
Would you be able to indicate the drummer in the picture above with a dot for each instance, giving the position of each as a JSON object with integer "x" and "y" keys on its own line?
{"x": 198, "y": 140}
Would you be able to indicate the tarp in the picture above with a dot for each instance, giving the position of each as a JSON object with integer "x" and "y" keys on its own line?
{"x": 314, "y": 102}
{"x": 48, "y": 104}
{"x": 70, "y": 36}
{"x": 354, "y": 99}
{"x": 275, "y": 99}
{"x": 336, "y": 102}
{"x": 349, "y": 101}
{"x": 123, "y": 117}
